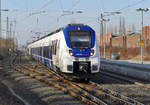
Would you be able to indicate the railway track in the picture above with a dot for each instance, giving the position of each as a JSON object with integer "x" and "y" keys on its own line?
{"x": 90, "y": 93}
{"x": 125, "y": 78}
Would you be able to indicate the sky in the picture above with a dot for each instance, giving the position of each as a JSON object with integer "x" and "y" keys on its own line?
{"x": 36, "y": 18}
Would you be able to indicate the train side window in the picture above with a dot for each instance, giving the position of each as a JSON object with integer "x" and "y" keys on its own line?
{"x": 46, "y": 51}
{"x": 35, "y": 51}
{"x": 52, "y": 48}
{"x": 50, "y": 51}
{"x": 32, "y": 52}
{"x": 56, "y": 48}
{"x": 40, "y": 51}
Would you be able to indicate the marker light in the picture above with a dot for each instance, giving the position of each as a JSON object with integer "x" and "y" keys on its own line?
{"x": 71, "y": 52}
{"x": 92, "y": 52}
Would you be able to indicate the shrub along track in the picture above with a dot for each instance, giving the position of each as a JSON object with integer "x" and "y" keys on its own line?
{"x": 91, "y": 93}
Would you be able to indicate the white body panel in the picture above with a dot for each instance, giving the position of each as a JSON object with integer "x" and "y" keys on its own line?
{"x": 62, "y": 57}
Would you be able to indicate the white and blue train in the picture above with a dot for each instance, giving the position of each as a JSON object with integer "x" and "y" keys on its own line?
{"x": 72, "y": 51}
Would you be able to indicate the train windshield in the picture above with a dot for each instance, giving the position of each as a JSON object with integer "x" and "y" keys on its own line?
{"x": 80, "y": 39}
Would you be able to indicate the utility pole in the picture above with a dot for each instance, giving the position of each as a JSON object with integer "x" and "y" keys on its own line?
{"x": 1, "y": 24}
{"x": 102, "y": 37}
{"x": 10, "y": 37}
{"x": 0, "y": 27}
{"x": 14, "y": 40}
{"x": 16, "y": 43}
{"x": 14, "y": 34}
{"x": 142, "y": 10}
{"x": 7, "y": 28}
{"x": 7, "y": 32}
{"x": 101, "y": 29}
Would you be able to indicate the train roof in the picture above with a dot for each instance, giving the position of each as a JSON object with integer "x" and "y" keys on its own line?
{"x": 58, "y": 30}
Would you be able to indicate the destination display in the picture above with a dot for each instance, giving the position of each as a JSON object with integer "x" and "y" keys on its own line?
{"x": 72, "y": 33}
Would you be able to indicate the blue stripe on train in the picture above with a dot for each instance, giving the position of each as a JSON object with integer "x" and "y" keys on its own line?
{"x": 47, "y": 62}
{"x": 78, "y": 53}
{"x": 83, "y": 28}
{"x": 43, "y": 60}
{"x": 40, "y": 59}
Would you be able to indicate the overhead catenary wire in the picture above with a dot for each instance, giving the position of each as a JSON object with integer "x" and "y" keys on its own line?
{"x": 131, "y": 5}
{"x": 70, "y": 12}
{"x": 102, "y": 5}
{"x": 46, "y": 4}
{"x": 75, "y": 4}
{"x": 38, "y": 11}
{"x": 61, "y": 5}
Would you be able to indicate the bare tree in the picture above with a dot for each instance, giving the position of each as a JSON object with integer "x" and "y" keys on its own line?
{"x": 115, "y": 29}
{"x": 133, "y": 28}
{"x": 120, "y": 25}
{"x": 122, "y": 28}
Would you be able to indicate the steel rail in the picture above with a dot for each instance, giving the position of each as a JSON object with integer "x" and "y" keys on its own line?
{"x": 120, "y": 98}
{"x": 81, "y": 92}
{"x": 78, "y": 93}
{"x": 113, "y": 75}
{"x": 105, "y": 95}
{"x": 114, "y": 96}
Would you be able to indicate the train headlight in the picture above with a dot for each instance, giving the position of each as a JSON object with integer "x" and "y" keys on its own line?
{"x": 92, "y": 52}
{"x": 69, "y": 67}
{"x": 71, "y": 52}
{"x": 94, "y": 67}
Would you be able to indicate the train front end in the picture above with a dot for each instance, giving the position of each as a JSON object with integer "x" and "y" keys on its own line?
{"x": 82, "y": 52}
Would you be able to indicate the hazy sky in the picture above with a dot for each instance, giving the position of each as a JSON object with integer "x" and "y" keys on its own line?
{"x": 43, "y": 16}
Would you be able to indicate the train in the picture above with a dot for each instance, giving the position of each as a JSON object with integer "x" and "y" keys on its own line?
{"x": 72, "y": 51}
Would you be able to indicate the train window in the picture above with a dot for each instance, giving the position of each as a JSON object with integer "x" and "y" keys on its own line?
{"x": 46, "y": 51}
{"x": 35, "y": 51}
{"x": 55, "y": 47}
{"x": 80, "y": 39}
{"x": 38, "y": 51}
{"x": 41, "y": 49}
{"x": 31, "y": 51}
{"x": 51, "y": 51}
{"x": 52, "y": 47}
